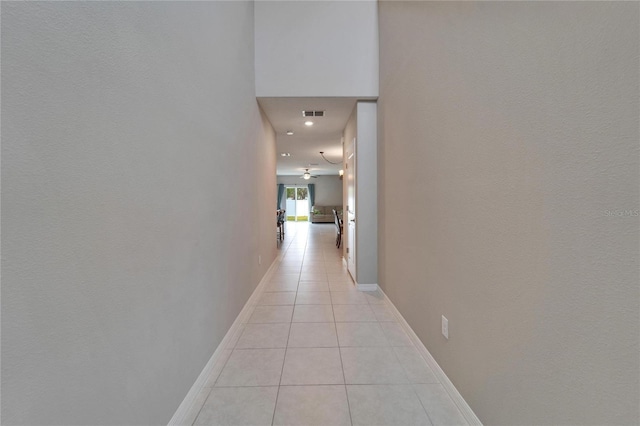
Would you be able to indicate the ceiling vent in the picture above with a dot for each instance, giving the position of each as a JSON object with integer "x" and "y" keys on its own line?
{"x": 309, "y": 113}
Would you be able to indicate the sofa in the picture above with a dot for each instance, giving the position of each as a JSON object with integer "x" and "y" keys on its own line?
{"x": 323, "y": 214}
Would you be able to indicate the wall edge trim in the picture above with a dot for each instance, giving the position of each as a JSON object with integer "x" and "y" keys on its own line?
{"x": 217, "y": 360}
{"x": 367, "y": 287}
{"x": 462, "y": 405}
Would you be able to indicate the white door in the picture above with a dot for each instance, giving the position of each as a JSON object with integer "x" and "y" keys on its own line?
{"x": 349, "y": 215}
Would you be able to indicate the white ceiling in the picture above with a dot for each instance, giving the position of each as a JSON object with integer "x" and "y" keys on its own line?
{"x": 306, "y": 143}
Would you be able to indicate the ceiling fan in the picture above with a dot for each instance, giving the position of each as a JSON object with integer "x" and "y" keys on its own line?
{"x": 306, "y": 175}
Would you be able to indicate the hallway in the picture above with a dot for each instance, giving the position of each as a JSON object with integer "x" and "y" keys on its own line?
{"x": 495, "y": 175}
{"x": 315, "y": 351}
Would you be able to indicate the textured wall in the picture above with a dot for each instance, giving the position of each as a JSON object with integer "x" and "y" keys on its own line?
{"x": 509, "y": 155}
{"x": 317, "y": 48}
{"x": 123, "y": 262}
{"x": 366, "y": 193}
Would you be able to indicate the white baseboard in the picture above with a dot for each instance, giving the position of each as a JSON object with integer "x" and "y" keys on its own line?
{"x": 462, "y": 405}
{"x": 184, "y": 411}
{"x": 367, "y": 287}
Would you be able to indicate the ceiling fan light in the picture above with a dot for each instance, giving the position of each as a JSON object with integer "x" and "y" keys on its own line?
{"x": 306, "y": 175}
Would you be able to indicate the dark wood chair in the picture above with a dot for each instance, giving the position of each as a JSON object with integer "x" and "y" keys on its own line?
{"x": 280, "y": 219}
{"x": 338, "y": 223}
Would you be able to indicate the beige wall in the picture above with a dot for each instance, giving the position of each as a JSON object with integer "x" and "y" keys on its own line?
{"x": 331, "y": 44}
{"x": 124, "y": 261}
{"x": 508, "y": 156}
{"x": 366, "y": 193}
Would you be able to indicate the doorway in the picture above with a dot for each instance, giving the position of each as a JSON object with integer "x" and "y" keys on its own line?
{"x": 297, "y": 203}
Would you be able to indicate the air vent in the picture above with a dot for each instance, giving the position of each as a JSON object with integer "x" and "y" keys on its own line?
{"x": 309, "y": 113}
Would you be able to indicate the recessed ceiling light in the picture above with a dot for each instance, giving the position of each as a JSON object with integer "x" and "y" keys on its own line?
{"x": 308, "y": 123}
{"x": 289, "y": 132}
{"x": 285, "y": 154}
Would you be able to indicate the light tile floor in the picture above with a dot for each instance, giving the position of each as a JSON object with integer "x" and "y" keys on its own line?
{"x": 315, "y": 351}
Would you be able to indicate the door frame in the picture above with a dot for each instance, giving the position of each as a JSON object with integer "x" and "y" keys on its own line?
{"x": 350, "y": 208}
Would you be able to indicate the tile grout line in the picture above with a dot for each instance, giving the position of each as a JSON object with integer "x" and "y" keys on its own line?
{"x": 344, "y": 377}
{"x": 338, "y": 345}
{"x": 415, "y": 392}
{"x": 195, "y": 419}
{"x": 275, "y": 407}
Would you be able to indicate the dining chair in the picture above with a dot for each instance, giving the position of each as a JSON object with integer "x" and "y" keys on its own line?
{"x": 280, "y": 224}
{"x": 338, "y": 223}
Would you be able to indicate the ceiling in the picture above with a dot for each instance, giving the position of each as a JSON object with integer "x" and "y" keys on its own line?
{"x": 306, "y": 142}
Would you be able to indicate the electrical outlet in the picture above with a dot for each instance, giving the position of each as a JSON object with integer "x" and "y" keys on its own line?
{"x": 445, "y": 327}
{"x": 259, "y": 260}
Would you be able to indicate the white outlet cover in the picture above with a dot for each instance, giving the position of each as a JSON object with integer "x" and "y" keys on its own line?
{"x": 445, "y": 327}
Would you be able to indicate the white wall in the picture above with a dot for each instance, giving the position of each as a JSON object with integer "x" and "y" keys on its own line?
{"x": 328, "y": 188}
{"x": 350, "y": 132}
{"x": 123, "y": 264}
{"x": 509, "y": 140}
{"x": 366, "y": 193}
{"x": 316, "y": 48}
